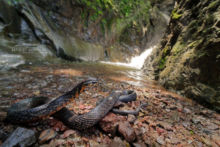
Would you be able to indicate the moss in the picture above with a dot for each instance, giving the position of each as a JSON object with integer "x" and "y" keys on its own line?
{"x": 162, "y": 63}
{"x": 214, "y": 4}
{"x": 192, "y": 44}
{"x": 175, "y": 15}
{"x": 178, "y": 47}
{"x": 166, "y": 51}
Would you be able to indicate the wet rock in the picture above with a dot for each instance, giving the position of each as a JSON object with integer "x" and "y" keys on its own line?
{"x": 22, "y": 137}
{"x": 47, "y": 135}
{"x": 8, "y": 61}
{"x": 110, "y": 122}
{"x": 127, "y": 131}
{"x": 119, "y": 143}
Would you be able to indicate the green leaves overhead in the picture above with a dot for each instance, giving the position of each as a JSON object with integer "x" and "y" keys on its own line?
{"x": 121, "y": 8}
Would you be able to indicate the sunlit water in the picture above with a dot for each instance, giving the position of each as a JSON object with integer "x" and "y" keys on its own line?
{"x": 137, "y": 61}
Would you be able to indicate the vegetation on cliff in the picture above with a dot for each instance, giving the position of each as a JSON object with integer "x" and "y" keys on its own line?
{"x": 188, "y": 57}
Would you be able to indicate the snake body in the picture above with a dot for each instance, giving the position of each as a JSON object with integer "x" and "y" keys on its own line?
{"x": 89, "y": 119}
{"x": 28, "y": 110}
{"x": 24, "y": 115}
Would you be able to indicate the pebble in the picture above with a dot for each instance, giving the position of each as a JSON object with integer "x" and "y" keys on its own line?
{"x": 20, "y": 137}
{"x": 127, "y": 131}
{"x": 216, "y": 138}
{"x": 139, "y": 144}
{"x": 67, "y": 133}
{"x": 131, "y": 118}
{"x": 206, "y": 141}
{"x": 47, "y": 135}
{"x": 3, "y": 115}
{"x": 186, "y": 110}
{"x": 212, "y": 126}
{"x": 195, "y": 120}
{"x": 166, "y": 125}
{"x": 160, "y": 140}
{"x": 110, "y": 122}
{"x": 117, "y": 142}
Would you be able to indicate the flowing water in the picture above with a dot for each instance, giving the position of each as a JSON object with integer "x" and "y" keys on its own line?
{"x": 137, "y": 61}
{"x": 19, "y": 54}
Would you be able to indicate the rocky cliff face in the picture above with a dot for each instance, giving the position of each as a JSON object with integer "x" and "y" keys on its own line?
{"x": 70, "y": 29}
{"x": 188, "y": 58}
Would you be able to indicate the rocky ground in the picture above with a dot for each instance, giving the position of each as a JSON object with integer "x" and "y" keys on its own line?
{"x": 168, "y": 120}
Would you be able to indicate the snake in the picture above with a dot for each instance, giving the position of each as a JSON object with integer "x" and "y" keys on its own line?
{"x": 38, "y": 108}
{"x": 23, "y": 115}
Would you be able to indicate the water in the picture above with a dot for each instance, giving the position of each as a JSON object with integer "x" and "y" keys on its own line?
{"x": 137, "y": 61}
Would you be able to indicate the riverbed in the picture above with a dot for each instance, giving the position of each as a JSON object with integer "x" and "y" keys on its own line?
{"x": 169, "y": 119}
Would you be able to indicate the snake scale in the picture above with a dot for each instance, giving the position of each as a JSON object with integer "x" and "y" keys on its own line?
{"x": 35, "y": 109}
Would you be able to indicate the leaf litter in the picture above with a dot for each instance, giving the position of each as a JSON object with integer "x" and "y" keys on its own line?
{"x": 167, "y": 120}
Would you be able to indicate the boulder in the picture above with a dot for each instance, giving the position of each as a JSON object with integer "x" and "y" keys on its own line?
{"x": 20, "y": 137}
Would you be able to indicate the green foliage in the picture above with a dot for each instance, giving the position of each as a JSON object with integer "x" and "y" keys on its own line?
{"x": 125, "y": 10}
{"x": 14, "y": 2}
{"x": 162, "y": 63}
{"x": 175, "y": 15}
{"x": 213, "y": 4}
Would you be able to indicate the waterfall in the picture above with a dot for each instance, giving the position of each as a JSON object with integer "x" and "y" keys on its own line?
{"x": 137, "y": 61}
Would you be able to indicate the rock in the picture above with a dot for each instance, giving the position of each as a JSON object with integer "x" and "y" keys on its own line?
{"x": 216, "y": 138}
{"x": 174, "y": 140}
{"x": 22, "y": 137}
{"x": 93, "y": 143}
{"x": 131, "y": 118}
{"x": 55, "y": 142}
{"x": 186, "y": 110}
{"x": 127, "y": 131}
{"x": 3, "y": 115}
{"x": 47, "y": 135}
{"x": 139, "y": 144}
{"x": 3, "y": 134}
{"x": 186, "y": 124}
{"x": 172, "y": 107}
{"x": 8, "y": 61}
{"x": 110, "y": 122}
{"x": 160, "y": 140}
{"x": 195, "y": 120}
{"x": 165, "y": 125}
{"x": 172, "y": 58}
{"x": 212, "y": 126}
{"x": 206, "y": 141}
{"x": 67, "y": 133}
{"x": 117, "y": 142}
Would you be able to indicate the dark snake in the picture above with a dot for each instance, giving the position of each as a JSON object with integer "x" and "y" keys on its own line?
{"x": 38, "y": 108}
